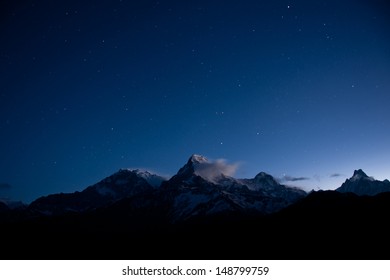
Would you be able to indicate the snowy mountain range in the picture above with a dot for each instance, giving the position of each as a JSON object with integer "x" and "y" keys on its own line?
{"x": 202, "y": 212}
{"x": 123, "y": 184}
{"x": 196, "y": 190}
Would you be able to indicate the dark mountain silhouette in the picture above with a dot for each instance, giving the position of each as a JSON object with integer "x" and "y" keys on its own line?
{"x": 123, "y": 184}
{"x": 198, "y": 215}
{"x": 361, "y": 184}
{"x": 3, "y": 207}
{"x": 196, "y": 190}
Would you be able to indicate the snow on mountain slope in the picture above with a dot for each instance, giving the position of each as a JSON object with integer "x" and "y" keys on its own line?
{"x": 200, "y": 188}
{"x": 194, "y": 194}
{"x": 153, "y": 179}
{"x": 122, "y": 184}
{"x": 211, "y": 171}
{"x": 361, "y": 184}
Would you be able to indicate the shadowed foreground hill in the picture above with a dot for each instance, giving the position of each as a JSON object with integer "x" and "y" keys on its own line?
{"x": 137, "y": 215}
{"x": 324, "y": 225}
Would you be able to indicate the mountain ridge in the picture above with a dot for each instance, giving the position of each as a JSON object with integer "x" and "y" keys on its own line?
{"x": 223, "y": 218}
{"x": 362, "y": 184}
{"x": 197, "y": 182}
{"x": 198, "y": 188}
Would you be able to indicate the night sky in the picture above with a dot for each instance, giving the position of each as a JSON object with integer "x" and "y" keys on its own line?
{"x": 297, "y": 89}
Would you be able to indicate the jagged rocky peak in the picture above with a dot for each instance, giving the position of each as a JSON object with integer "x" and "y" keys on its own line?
{"x": 125, "y": 183}
{"x": 263, "y": 175}
{"x": 198, "y": 159}
{"x": 193, "y": 162}
{"x": 264, "y": 178}
{"x": 153, "y": 179}
{"x": 139, "y": 172}
{"x": 361, "y": 184}
{"x": 200, "y": 188}
{"x": 359, "y": 174}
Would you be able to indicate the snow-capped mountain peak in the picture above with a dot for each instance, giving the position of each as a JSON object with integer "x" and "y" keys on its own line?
{"x": 361, "y": 184}
{"x": 198, "y": 159}
{"x": 359, "y": 174}
{"x": 153, "y": 179}
{"x": 125, "y": 183}
{"x": 201, "y": 187}
{"x": 194, "y": 163}
{"x": 265, "y": 179}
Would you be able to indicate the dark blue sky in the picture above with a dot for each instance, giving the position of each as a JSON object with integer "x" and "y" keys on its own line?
{"x": 298, "y": 89}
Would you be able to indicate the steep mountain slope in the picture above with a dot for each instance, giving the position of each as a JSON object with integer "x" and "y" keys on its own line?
{"x": 361, "y": 184}
{"x": 194, "y": 192}
{"x": 198, "y": 189}
{"x": 206, "y": 215}
{"x": 123, "y": 184}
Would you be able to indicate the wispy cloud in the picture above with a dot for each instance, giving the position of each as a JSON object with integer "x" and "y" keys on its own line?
{"x": 288, "y": 178}
{"x": 335, "y": 175}
{"x": 213, "y": 169}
